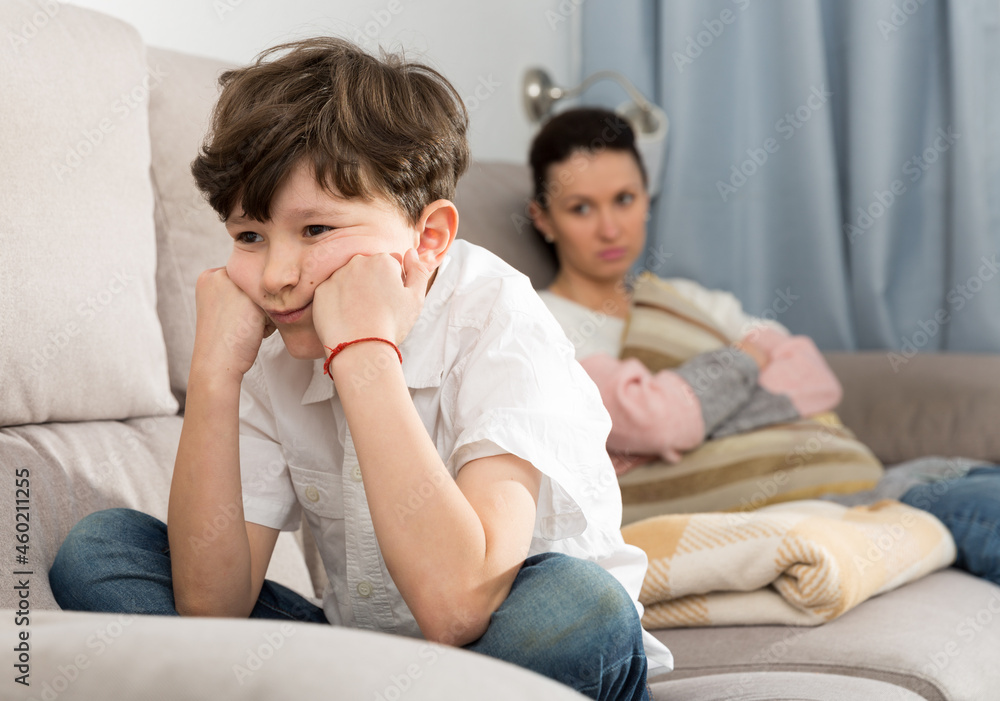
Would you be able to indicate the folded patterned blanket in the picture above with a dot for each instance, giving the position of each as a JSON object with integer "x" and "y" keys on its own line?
{"x": 798, "y": 563}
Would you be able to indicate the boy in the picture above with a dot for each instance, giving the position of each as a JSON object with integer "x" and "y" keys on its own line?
{"x": 418, "y": 405}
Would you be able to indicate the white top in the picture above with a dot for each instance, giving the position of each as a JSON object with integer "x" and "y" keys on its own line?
{"x": 593, "y": 332}
{"x": 589, "y": 331}
{"x": 490, "y": 372}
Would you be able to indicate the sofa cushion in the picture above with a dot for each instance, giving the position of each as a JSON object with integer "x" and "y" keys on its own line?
{"x": 777, "y": 686}
{"x": 189, "y": 235}
{"x": 73, "y": 469}
{"x": 77, "y": 274}
{"x": 159, "y": 658}
{"x": 937, "y": 637}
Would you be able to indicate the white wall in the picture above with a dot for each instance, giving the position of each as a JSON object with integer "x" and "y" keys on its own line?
{"x": 482, "y": 47}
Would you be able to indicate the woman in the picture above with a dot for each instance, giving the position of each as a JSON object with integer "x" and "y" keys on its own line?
{"x": 591, "y": 203}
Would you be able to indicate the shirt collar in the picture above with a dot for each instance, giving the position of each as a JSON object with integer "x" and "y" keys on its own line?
{"x": 423, "y": 349}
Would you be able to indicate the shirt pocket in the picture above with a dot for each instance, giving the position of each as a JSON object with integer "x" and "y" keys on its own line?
{"x": 319, "y": 492}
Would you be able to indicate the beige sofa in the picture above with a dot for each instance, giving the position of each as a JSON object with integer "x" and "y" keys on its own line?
{"x": 102, "y": 236}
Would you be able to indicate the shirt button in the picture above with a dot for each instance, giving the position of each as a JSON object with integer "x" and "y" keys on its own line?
{"x": 312, "y": 494}
{"x": 356, "y": 473}
{"x": 365, "y": 589}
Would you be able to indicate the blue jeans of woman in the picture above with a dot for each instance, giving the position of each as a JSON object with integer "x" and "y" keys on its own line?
{"x": 970, "y": 508}
{"x": 963, "y": 494}
{"x": 565, "y": 618}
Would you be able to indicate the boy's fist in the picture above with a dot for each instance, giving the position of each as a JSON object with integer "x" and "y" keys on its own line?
{"x": 230, "y": 325}
{"x": 372, "y": 295}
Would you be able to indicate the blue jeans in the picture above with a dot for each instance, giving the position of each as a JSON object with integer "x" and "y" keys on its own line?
{"x": 970, "y": 507}
{"x": 565, "y": 618}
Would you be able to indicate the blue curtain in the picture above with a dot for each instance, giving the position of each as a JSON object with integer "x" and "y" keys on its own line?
{"x": 836, "y": 162}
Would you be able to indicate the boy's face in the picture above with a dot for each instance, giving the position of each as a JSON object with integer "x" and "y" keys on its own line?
{"x": 311, "y": 234}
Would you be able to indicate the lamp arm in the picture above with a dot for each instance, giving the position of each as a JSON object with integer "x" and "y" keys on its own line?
{"x": 632, "y": 91}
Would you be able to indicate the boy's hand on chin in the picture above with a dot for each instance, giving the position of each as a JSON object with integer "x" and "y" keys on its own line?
{"x": 372, "y": 295}
{"x": 230, "y": 326}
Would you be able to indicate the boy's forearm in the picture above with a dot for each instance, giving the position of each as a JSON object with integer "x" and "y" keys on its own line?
{"x": 436, "y": 550}
{"x": 209, "y": 549}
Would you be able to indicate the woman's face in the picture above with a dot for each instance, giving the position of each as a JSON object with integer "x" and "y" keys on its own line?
{"x": 596, "y": 215}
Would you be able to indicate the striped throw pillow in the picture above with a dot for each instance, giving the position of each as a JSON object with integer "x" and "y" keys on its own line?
{"x": 782, "y": 462}
{"x": 664, "y": 329}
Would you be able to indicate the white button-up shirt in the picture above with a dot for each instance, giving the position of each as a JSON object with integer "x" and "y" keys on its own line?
{"x": 490, "y": 372}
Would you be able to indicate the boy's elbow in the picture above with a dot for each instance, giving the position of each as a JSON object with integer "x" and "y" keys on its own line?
{"x": 190, "y": 605}
{"x": 455, "y": 625}
{"x": 204, "y": 607}
{"x": 192, "y": 608}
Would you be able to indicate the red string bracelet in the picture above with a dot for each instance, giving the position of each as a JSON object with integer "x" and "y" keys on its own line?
{"x": 341, "y": 346}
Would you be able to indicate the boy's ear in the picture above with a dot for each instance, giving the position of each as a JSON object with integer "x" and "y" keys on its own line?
{"x": 437, "y": 227}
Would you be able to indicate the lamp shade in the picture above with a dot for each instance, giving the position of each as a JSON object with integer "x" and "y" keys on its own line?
{"x": 650, "y": 126}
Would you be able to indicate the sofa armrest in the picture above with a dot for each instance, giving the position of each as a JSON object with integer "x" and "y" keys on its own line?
{"x": 945, "y": 404}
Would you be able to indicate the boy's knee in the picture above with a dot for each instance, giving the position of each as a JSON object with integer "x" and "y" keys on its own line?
{"x": 88, "y": 538}
{"x": 103, "y": 526}
{"x": 106, "y": 517}
{"x": 586, "y": 585}
{"x": 581, "y": 596}
{"x": 586, "y": 630}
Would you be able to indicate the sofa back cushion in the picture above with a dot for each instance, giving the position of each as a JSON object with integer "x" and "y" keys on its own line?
{"x": 492, "y": 201}
{"x": 189, "y": 235}
{"x": 80, "y": 335}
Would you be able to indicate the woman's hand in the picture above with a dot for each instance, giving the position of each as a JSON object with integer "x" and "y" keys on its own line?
{"x": 230, "y": 326}
{"x": 372, "y": 295}
{"x": 758, "y": 354}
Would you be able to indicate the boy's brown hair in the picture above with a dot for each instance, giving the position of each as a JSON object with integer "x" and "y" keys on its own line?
{"x": 370, "y": 127}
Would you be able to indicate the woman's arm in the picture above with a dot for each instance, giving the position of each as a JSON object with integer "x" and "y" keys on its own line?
{"x": 670, "y": 412}
{"x": 797, "y": 369}
{"x": 651, "y": 414}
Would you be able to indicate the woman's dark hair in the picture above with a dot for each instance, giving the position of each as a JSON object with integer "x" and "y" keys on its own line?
{"x": 584, "y": 129}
